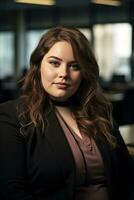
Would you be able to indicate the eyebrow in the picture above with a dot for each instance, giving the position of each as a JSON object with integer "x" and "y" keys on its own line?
{"x": 57, "y": 58}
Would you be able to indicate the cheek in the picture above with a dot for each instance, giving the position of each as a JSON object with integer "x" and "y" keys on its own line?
{"x": 77, "y": 79}
{"x": 47, "y": 76}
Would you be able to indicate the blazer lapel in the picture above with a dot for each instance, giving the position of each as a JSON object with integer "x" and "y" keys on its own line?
{"x": 105, "y": 152}
{"x": 58, "y": 142}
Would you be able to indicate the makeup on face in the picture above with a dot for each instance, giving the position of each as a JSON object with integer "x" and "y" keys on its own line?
{"x": 60, "y": 72}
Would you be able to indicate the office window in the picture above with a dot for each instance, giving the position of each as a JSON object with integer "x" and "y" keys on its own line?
{"x": 86, "y": 32}
{"x": 6, "y": 54}
{"x": 113, "y": 49}
{"x": 32, "y": 38}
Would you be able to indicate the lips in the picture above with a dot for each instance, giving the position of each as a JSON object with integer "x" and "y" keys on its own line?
{"x": 61, "y": 85}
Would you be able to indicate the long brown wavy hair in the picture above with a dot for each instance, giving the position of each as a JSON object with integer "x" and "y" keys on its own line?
{"x": 93, "y": 112}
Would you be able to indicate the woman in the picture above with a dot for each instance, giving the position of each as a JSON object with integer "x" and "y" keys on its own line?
{"x": 57, "y": 141}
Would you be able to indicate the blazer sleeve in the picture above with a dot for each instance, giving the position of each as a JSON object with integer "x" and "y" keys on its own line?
{"x": 126, "y": 165}
{"x": 13, "y": 175}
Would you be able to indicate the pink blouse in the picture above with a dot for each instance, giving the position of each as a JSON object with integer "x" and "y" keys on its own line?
{"x": 90, "y": 180}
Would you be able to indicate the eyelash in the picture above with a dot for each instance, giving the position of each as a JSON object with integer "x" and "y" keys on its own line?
{"x": 73, "y": 66}
{"x": 54, "y": 63}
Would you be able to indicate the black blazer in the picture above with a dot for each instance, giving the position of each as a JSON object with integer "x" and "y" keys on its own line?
{"x": 40, "y": 166}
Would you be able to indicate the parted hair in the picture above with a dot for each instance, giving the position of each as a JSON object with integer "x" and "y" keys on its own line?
{"x": 92, "y": 111}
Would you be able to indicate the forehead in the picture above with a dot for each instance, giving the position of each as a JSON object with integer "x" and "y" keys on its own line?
{"x": 61, "y": 49}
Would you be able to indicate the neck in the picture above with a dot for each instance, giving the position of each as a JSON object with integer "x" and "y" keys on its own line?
{"x": 67, "y": 103}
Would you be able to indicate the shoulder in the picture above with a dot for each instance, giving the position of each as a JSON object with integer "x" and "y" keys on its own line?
{"x": 121, "y": 147}
{"x": 10, "y": 104}
{"x": 117, "y": 135}
{"x": 8, "y": 111}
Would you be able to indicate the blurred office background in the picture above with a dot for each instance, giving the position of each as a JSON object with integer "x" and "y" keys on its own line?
{"x": 109, "y": 26}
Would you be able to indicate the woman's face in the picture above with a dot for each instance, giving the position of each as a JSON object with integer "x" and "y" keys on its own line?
{"x": 60, "y": 72}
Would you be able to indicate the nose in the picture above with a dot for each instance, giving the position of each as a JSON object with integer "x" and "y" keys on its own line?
{"x": 63, "y": 72}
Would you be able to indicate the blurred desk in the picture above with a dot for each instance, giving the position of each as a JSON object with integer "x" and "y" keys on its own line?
{"x": 112, "y": 96}
{"x": 123, "y": 106}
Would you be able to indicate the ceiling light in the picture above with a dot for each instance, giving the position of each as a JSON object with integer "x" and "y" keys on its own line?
{"x": 40, "y": 2}
{"x": 107, "y": 2}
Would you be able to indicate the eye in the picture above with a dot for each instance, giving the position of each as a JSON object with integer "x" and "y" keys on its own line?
{"x": 54, "y": 63}
{"x": 74, "y": 66}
